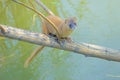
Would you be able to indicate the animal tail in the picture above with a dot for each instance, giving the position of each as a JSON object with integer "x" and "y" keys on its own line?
{"x": 30, "y": 58}
{"x": 44, "y": 7}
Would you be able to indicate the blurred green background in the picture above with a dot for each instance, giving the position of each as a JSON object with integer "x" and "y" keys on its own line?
{"x": 98, "y": 23}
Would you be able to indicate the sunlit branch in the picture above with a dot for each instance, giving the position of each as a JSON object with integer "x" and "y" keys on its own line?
{"x": 41, "y": 39}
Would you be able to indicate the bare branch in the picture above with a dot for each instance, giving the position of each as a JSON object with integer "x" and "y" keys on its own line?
{"x": 41, "y": 39}
{"x": 44, "y": 7}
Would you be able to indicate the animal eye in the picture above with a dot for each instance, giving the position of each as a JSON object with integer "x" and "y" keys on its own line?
{"x": 75, "y": 24}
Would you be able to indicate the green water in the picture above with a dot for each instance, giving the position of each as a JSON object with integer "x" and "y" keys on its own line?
{"x": 98, "y": 23}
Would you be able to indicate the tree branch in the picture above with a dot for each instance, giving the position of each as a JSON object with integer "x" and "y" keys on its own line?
{"x": 41, "y": 39}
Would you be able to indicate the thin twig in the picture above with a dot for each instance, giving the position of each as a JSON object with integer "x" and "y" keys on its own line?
{"x": 44, "y": 7}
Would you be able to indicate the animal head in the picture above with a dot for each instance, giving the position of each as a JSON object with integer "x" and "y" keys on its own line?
{"x": 71, "y": 22}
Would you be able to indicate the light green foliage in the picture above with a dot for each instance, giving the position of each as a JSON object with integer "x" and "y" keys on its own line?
{"x": 13, "y": 53}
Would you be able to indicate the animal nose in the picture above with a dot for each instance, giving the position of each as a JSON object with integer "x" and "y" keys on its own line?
{"x": 72, "y": 25}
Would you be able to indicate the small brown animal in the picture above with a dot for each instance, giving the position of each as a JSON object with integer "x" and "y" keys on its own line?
{"x": 65, "y": 27}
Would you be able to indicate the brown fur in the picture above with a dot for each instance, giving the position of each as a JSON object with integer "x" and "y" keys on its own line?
{"x": 62, "y": 25}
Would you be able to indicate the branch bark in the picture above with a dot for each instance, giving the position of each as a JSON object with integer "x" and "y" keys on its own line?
{"x": 41, "y": 39}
